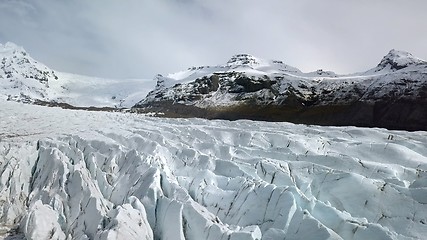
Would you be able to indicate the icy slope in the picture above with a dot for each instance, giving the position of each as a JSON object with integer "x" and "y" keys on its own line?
{"x": 96, "y": 175}
{"x": 23, "y": 79}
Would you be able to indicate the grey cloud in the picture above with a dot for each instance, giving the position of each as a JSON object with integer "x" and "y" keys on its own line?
{"x": 139, "y": 38}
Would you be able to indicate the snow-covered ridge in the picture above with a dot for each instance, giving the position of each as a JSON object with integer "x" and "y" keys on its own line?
{"x": 249, "y": 63}
{"x": 123, "y": 176}
{"x": 24, "y": 79}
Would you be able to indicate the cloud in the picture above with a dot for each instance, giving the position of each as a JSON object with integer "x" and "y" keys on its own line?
{"x": 139, "y": 38}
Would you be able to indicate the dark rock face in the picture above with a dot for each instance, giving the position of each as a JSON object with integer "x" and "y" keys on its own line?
{"x": 206, "y": 85}
{"x": 254, "y": 85}
{"x": 397, "y": 115}
{"x": 189, "y": 92}
{"x": 242, "y": 59}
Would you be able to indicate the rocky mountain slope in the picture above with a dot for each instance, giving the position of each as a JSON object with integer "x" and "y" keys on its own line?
{"x": 126, "y": 176}
{"x": 392, "y": 95}
{"x": 24, "y": 79}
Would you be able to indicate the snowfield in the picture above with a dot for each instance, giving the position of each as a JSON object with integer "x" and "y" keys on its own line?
{"x": 68, "y": 174}
{"x": 84, "y": 91}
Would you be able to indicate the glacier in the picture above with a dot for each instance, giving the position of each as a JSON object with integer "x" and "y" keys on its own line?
{"x": 72, "y": 174}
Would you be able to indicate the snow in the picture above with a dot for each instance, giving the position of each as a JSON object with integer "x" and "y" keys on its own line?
{"x": 189, "y": 75}
{"x": 84, "y": 91}
{"x": 24, "y": 79}
{"x": 71, "y": 174}
{"x": 44, "y": 215}
{"x": 240, "y": 63}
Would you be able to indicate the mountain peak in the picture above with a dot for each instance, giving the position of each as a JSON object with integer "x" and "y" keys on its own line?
{"x": 10, "y": 45}
{"x": 396, "y": 60}
{"x": 243, "y": 59}
{"x": 27, "y": 79}
{"x": 12, "y": 48}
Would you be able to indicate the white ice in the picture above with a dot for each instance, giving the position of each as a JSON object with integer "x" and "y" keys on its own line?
{"x": 67, "y": 174}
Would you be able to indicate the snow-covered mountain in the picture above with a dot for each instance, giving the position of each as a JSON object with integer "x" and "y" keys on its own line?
{"x": 21, "y": 77}
{"x": 24, "y": 79}
{"x": 393, "y": 94}
{"x": 119, "y": 175}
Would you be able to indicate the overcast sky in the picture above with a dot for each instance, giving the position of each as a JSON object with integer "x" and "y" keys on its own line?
{"x": 140, "y": 38}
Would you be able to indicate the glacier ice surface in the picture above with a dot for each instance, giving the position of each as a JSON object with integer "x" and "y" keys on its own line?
{"x": 67, "y": 174}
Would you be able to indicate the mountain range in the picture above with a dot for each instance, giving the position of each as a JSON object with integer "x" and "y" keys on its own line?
{"x": 392, "y": 95}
